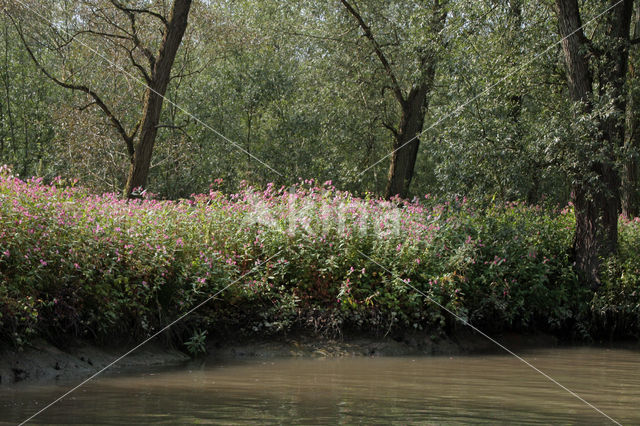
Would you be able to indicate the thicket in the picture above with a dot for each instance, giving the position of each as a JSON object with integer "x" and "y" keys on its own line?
{"x": 308, "y": 258}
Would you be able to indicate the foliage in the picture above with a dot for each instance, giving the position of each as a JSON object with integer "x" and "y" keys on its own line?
{"x": 615, "y": 309}
{"x": 27, "y": 121}
{"x": 196, "y": 344}
{"x": 73, "y": 263}
{"x": 294, "y": 84}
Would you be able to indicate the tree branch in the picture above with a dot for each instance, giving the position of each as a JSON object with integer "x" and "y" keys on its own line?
{"x": 390, "y": 128}
{"x": 137, "y": 43}
{"x": 78, "y": 87}
{"x": 100, "y": 33}
{"x": 135, "y": 130}
{"x": 383, "y": 59}
{"x": 145, "y": 74}
{"x": 82, "y": 108}
{"x": 174, "y": 127}
{"x": 133, "y": 10}
{"x": 133, "y": 34}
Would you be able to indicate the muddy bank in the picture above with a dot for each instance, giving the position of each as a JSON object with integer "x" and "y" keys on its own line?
{"x": 358, "y": 345}
{"x": 42, "y": 362}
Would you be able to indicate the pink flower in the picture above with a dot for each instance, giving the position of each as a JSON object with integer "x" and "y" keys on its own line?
{"x": 43, "y": 263}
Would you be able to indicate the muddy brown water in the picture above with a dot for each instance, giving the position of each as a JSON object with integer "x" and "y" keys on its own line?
{"x": 493, "y": 389}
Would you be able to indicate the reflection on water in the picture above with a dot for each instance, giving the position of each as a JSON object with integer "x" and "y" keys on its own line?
{"x": 431, "y": 390}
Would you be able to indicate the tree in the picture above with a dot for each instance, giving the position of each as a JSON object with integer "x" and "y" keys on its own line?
{"x": 497, "y": 89}
{"x": 630, "y": 169}
{"x": 125, "y": 27}
{"x": 413, "y": 100}
{"x": 596, "y": 75}
{"x": 26, "y": 126}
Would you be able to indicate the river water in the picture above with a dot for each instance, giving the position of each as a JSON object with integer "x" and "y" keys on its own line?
{"x": 492, "y": 389}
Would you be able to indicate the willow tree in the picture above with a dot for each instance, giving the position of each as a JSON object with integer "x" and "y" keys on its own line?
{"x": 26, "y": 127}
{"x": 131, "y": 30}
{"x": 412, "y": 89}
{"x": 596, "y": 71}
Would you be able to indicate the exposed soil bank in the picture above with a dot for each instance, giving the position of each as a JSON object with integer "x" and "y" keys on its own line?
{"x": 359, "y": 345}
{"x": 42, "y": 362}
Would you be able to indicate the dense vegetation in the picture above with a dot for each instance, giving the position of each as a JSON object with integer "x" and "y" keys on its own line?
{"x": 295, "y": 84}
{"x": 505, "y": 110}
{"x": 75, "y": 264}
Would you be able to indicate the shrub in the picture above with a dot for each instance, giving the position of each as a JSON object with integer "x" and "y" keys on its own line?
{"x": 78, "y": 264}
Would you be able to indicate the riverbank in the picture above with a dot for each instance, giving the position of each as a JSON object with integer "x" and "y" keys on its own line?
{"x": 76, "y": 266}
{"x": 411, "y": 344}
{"x": 41, "y": 362}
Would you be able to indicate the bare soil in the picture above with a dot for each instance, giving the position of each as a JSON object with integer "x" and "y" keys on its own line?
{"x": 42, "y": 362}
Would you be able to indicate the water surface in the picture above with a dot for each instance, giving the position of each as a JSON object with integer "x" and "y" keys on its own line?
{"x": 495, "y": 389}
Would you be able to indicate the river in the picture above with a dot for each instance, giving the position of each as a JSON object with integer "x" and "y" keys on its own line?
{"x": 491, "y": 389}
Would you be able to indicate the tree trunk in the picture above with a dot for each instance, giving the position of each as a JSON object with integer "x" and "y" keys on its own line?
{"x": 631, "y": 151}
{"x": 154, "y": 96}
{"x": 596, "y": 204}
{"x": 406, "y": 139}
{"x": 406, "y": 142}
{"x": 613, "y": 74}
{"x": 575, "y": 46}
{"x": 412, "y": 107}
